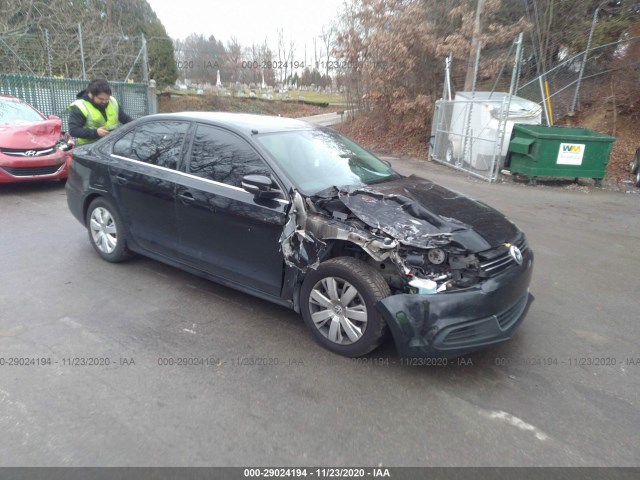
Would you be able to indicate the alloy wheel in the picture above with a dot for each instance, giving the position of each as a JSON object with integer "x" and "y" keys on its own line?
{"x": 338, "y": 310}
{"x": 103, "y": 230}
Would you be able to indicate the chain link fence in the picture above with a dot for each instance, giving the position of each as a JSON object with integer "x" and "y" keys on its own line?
{"x": 75, "y": 55}
{"x": 462, "y": 140}
{"x": 52, "y": 96}
{"x": 578, "y": 78}
{"x": 48, "y": 71}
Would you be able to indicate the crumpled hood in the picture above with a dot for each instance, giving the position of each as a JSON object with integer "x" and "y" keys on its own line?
{"x": 33, "y": 135}
{"x": 414, "y": 210}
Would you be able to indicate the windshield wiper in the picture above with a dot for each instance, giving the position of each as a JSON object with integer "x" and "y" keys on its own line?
{"x": 327, "y": 192}
{"x": 384, "y": 179}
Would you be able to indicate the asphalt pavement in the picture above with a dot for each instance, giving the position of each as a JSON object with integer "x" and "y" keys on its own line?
{"x": 326, "y": 119}
{"x": 141, "y": 364}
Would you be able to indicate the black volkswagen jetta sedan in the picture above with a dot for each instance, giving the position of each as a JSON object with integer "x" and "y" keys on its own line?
{"x": 306, "y": 218}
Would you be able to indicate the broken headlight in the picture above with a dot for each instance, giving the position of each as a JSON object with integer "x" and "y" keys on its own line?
{"x": 450, "y": 270}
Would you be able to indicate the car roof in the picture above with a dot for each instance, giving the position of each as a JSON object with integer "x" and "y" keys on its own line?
{"x": 11, "y": 99}
{"x": 243, "y": 122}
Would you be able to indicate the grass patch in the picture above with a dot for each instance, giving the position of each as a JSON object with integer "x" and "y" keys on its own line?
{"x": 317, "y": 97}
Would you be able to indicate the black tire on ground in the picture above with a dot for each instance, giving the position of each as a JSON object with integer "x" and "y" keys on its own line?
{"x": 337, "y": 302}
{"x": 635, "y": 163}
{"x": 107, "y": 232}
{"x": 637, "y": 178}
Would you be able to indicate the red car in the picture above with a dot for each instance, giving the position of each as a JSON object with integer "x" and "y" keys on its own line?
{"x": 32, "y": 145}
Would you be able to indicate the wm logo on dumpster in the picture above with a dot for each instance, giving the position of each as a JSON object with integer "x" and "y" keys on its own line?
{"x": 570, "y": 154}
{"x": 571, "y": 148}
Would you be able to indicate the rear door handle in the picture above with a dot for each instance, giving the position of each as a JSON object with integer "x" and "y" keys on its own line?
{"x": 121, "y": 179}
{"x": 186, "y": 197}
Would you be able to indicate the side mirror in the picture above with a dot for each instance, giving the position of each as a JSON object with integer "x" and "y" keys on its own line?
{"x": 260, "y": 186}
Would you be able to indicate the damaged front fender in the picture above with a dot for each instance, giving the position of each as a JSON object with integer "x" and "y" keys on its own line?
{"x": 300, "y": 248}
{"x": 303, "y": 238}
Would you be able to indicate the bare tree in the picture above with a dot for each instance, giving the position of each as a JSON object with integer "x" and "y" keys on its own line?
{"x": 266, "y": 56}
{"x": 288, "y": 65}
{"x": 395, "y": 50}
{"x": 328, "y": 37}
{"x": 233, "y": 65}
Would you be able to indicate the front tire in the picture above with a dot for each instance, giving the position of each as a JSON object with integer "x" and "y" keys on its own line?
{"x": 337, "y": 301}
{"x": 107, "y": 232}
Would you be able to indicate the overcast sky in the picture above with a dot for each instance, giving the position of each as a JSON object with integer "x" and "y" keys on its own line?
{"x": 250, "y": 21}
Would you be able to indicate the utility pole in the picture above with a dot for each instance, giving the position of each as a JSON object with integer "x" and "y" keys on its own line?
{"x": 84, "y": 71}
{"x": 113, "y": 53}
{"x": 477, "y": 30}
{"x": 584, "y": 61}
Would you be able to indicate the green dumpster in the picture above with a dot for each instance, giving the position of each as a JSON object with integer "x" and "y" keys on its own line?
{"x": 540, "y": 151}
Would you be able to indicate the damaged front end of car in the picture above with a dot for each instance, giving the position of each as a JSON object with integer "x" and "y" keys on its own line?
{"x": 456, "y": 287}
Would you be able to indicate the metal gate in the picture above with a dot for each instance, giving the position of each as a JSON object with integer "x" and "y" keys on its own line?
{"x": 472, "y": 132}
{"x": 468, "y": 134}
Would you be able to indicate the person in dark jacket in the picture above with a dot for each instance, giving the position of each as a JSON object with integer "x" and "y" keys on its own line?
{"x": 95, "y": 113}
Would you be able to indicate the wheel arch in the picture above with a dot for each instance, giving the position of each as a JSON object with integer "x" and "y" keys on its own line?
{"x": 337, "y": 247}
{"x": 344, "y": 248}
{"x": 87, "y": 201}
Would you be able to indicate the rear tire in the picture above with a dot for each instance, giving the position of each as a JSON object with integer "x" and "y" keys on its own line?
{"x": 107, "y": 232}
{"x": 337, "y": 302}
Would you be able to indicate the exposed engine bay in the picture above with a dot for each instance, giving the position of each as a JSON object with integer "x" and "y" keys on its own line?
{"x": 414, "y": 250}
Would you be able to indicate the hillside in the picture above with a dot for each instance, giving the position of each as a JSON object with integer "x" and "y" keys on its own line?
{"x": 214, "y": 103}
{"x": 625, "y": 129}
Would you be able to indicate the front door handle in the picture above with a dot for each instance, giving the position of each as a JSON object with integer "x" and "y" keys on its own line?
{"x": 186, "y": 197}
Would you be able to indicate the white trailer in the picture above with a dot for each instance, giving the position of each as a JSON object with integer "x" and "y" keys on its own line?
{"x": 476, "y": 123}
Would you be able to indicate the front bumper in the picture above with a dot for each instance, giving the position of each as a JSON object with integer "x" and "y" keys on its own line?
{"x": 451, "y": 324}
{"x": 28, "y": 169}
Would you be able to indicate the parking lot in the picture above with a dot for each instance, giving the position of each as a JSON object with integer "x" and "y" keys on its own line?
{"x": 141, "y": 364}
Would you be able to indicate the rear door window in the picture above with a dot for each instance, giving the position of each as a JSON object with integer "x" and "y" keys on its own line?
{"x": 157, "y": 143}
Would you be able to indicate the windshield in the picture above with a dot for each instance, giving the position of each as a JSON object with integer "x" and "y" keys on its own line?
{"x": 16, "y": 113}
{"x": 317, "y": 160}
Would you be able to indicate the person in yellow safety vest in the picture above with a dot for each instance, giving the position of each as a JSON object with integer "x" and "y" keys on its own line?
{"x": 95, "y": 113}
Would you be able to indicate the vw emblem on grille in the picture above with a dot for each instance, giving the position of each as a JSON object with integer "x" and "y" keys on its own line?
{"x": 30, "y": 153}
{"x": 516, "y": 254}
